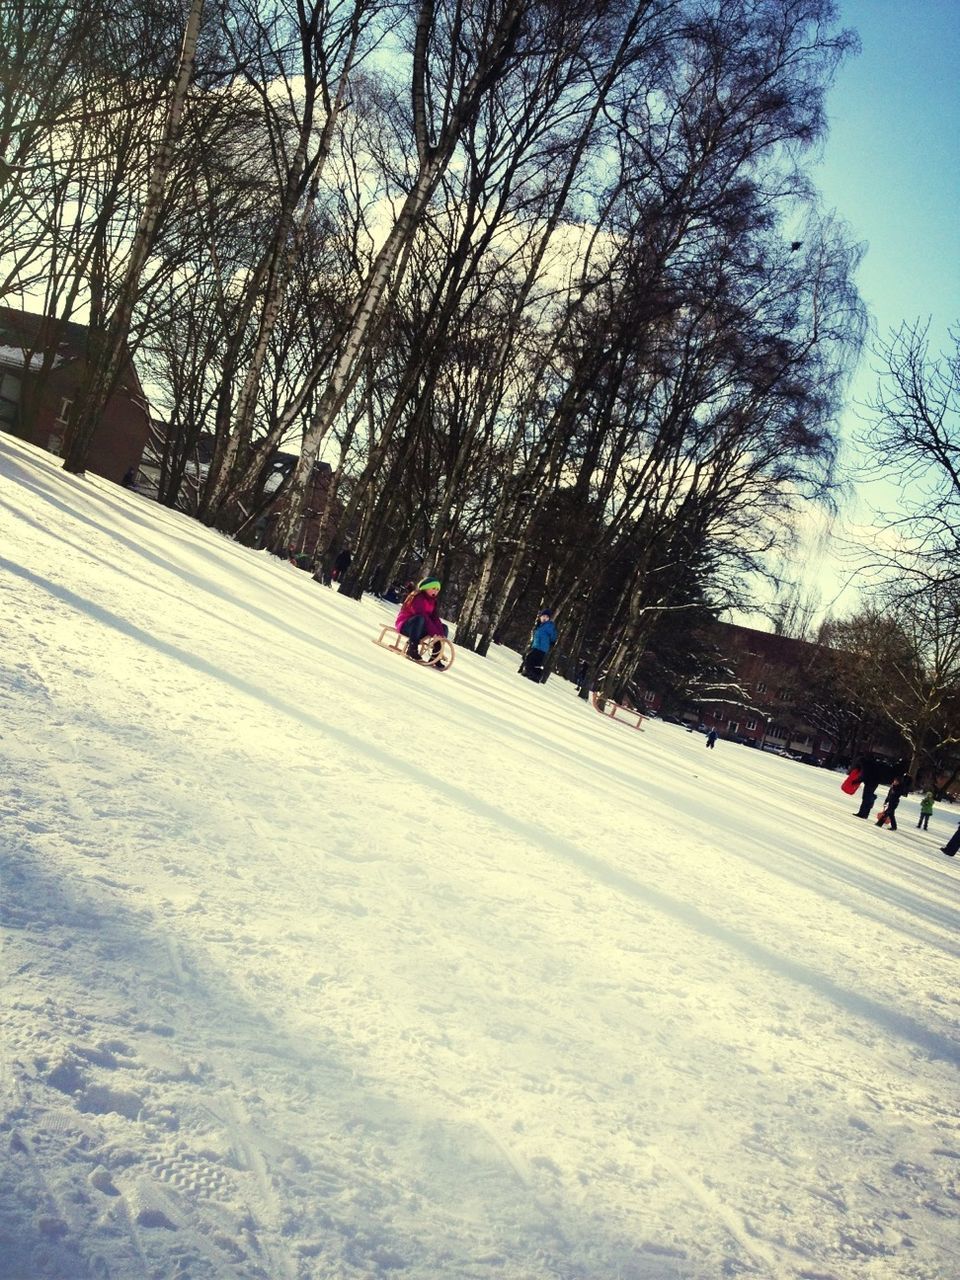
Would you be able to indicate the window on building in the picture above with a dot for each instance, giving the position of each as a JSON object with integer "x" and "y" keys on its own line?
{"x": 761, "y": 687}
{"x": 751, "y": 725}
{"x": 776, "y": 732}
{"x": 734, "y": 726}
{"x": 64, "y": 415}
{"x": 9, "y": 398}
{"x": 649, "y": 696}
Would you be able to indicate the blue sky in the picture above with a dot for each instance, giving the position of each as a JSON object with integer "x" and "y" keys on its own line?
{"x": 891, "y": 165}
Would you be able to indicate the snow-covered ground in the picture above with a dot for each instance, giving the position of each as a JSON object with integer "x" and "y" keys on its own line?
{"x": 320, "y": 965}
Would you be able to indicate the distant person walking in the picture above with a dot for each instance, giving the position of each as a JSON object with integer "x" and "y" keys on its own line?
{"x": 712, "y": 739}
{"x": 541, "y": 642}
{"x": 926, "y": 809}
{"x": 342, "y": 563}
{"x": 888, "y": 814}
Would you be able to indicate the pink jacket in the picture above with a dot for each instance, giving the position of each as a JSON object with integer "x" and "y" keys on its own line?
{"x": 420, "y": 602}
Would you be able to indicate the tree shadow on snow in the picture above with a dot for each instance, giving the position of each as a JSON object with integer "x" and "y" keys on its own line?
{"x": 135, "y": 1051}
{"x": 891, "y": 1020}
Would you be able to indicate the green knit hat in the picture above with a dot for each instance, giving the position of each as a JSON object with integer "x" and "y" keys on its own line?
{"x": 428, "y": 583}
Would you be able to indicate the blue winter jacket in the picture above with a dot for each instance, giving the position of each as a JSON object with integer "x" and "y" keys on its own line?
{"x": 544, "y": 636}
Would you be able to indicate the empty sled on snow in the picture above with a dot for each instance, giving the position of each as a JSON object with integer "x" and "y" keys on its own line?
{"x": 616, "y": 711}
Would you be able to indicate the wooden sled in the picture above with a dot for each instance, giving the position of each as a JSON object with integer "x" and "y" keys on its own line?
{"x": 616, "y": 711}
{"x": 433, "y": 649}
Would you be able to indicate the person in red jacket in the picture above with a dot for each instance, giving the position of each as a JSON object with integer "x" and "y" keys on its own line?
{"x": 419, "y": 616}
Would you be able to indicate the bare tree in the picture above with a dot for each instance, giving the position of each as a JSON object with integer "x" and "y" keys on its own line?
{"x": 771, "y": 330}
{"x": 908, "y": 666}
{"x": 914, "y": 442}
{"x": 47, "y": 52}
{"x": 328, "y": 37}
{"x": 481, "y": 253}
{"x": 457, "y": 57}
{"x": 66, "y": 238}
{"x": 108, "y": 350}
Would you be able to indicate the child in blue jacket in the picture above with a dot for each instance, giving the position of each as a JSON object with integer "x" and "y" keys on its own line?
{"x": 543, "y": 640}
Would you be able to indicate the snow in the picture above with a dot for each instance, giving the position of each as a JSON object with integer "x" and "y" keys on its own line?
{"x": 16, "y": 357}
{"x": 320, "y": 965}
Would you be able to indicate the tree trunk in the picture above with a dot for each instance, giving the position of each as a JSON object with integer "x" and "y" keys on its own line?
{"x": 108, "y": 351}
{"x": 225, "y": 482}
{"x": 433, "y": 161}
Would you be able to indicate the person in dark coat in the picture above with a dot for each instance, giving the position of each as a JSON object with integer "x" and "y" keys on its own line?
{"x": 582, "y": 672}
{"x": 871, "y": 771}
{"x": 342, "y": 563}
{"x": 952, "y": 845}
{"x": 712, "y": 738}
{"x": 542, "y": 641}
{"x": 888, "y": 814}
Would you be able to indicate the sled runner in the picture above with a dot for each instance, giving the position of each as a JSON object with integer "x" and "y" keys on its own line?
{"x": 616, "y": 711}
{"x": 435, "y": 651}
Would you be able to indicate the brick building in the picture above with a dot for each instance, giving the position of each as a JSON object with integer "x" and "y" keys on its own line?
{"x": 42, "y": 371}
{"x": 310, "y": 540}
{"x": 770, "y": 672}
{"x": 769, "y": 669}
{"x": 758, "y": 696}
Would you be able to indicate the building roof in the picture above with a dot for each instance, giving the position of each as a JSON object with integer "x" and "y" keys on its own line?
{"x": 26, "y": 335}
{"x": 204, "y": 446}
{"x": 782, "y": 650}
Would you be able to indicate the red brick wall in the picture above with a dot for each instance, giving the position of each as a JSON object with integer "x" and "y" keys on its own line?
{"x": 120, "y": 439}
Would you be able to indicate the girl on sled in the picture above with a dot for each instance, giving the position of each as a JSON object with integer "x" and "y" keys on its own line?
{"x": 419, "y": 617}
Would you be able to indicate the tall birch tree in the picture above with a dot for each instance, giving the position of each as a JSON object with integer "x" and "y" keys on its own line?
{"x": 107, "y": 349}
{"x": 457, "y": 57}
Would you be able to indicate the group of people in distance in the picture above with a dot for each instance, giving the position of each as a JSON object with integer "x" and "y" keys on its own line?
{"x": 419, "y": 619}
{"x": 868, "y": 773}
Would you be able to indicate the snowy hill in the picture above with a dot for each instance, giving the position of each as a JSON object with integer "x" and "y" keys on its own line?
{"x": 322, "y": 966}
